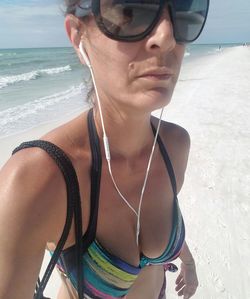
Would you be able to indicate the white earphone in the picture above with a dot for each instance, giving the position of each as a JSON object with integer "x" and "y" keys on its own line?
{"x": 105, "y": 138}
{"x": 84, "y": 54}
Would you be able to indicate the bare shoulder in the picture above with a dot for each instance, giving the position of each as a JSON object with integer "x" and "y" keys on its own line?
{"x": 178, "y": 135}
{"x": 71, "y": 137}
{"x": 33, "y": 206}
{"x": 177, "y": 142}
{"x": 33, "y": 180}
{"x": 28, "y": 182}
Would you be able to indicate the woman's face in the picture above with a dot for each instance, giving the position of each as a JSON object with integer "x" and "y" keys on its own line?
{"x": 138, "y": 75}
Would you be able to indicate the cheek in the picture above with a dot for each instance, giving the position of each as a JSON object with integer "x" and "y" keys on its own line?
{"x": 110, "y": 70}
{"x": 111, "y": 63}
{"x": 110, "y": 59}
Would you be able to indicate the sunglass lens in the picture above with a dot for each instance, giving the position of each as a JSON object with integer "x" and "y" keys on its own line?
{"x": 123, "y": 18}
{"x": 190, "y": 17}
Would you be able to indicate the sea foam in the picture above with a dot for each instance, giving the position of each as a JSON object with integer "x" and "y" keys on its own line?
{"x": 34, "y": 112}
{"x": 9, "y": 80}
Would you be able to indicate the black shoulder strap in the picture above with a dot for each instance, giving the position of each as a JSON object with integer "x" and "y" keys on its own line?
{"x": 167, "y": 161}
{"x": 73, "y": 206}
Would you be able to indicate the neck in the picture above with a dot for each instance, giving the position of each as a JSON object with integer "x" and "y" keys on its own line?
{"x": 129, "y": 135}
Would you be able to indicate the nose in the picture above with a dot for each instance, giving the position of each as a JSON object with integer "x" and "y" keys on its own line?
{"x": 162, "y": 37}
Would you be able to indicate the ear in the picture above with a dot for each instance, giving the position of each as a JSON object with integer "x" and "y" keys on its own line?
{"x": 75, "y": 31}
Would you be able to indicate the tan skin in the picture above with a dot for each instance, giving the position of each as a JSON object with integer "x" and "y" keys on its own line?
{"x": 32, "y": 189}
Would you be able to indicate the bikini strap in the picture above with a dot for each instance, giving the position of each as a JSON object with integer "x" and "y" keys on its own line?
{"x": 95, "y": 178}
{"x": 73, "y": 207}
{"x": 167, "y": 161}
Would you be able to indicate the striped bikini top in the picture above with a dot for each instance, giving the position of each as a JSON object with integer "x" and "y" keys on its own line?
{"x": 105, "y": 275}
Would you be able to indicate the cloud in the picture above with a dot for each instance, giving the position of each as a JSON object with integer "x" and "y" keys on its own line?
{"x": 23, "y": 11}
{"x": 27, "y": 23}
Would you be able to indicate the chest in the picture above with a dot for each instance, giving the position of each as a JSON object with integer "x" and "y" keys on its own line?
{"x": 116, "y": 222}
{"x": 116, "y": 226}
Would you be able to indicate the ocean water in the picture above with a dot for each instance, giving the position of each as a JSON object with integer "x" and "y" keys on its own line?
{"x": 40, "y": 85}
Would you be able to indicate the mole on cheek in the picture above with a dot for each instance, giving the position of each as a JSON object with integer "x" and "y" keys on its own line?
{"x": 131, "y": 66}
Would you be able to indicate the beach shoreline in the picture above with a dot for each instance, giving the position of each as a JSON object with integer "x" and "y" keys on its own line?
{"x": 9, "y": 143}
{"x": 212, "y": 101}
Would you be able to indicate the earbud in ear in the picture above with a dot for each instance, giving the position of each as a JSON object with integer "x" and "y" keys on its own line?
{"x": 84, "y": 54}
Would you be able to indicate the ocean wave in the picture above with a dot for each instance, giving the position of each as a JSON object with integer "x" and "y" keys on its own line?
{"x": 22, "y": 117}
{"x": 8, "y": 54}
{"x": 56, "y": 70}
{"x": 9, "y": 80}
{"x": 33, "y": 107}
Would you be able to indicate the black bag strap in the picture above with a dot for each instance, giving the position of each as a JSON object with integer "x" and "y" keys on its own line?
{"x": 73, "y": 207}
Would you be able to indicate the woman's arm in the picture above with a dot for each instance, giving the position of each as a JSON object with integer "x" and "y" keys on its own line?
{"x": 187, "y": 281}
{"x": 186, "y": 256}
{"x": 148, "y": 284}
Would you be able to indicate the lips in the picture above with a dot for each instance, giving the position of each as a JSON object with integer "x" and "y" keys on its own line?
{"x": 157, "y": 74}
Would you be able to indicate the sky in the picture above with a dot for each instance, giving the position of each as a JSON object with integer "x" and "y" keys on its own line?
{"x": 35, "y": 24}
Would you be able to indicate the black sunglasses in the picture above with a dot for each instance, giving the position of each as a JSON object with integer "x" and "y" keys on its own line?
{"x": 133, "y": 20}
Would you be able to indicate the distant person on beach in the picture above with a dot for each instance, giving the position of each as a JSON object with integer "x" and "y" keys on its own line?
{"x": 129, "y": 165}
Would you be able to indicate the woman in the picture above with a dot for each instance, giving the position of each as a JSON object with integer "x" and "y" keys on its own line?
{"x": 134, "y": 51}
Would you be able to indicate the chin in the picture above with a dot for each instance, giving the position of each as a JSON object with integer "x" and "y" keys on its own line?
{"x": 156, "y": 99}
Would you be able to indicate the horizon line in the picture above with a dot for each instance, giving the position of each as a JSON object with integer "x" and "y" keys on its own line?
{"x": 196, "y": 44}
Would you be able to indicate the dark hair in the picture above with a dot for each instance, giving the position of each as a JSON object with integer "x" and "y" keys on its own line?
{"x": 70, "y": 8}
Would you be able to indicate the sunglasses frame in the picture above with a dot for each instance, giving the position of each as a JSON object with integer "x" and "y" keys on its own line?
{"x": 96, "y": 11}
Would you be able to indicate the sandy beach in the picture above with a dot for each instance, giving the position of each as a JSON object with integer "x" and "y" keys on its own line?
{"x": 212, "y": 101}
{"x": 215, "y": 196}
